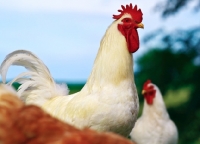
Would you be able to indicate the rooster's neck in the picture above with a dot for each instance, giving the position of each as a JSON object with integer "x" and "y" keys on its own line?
{"x": 114, "y": 63}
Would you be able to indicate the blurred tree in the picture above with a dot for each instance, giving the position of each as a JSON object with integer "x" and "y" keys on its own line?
{"x": 173, "y": 65}
{"x": 169, "y": 7}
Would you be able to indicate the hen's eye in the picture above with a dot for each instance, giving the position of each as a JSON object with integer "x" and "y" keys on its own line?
{"x": 126, "y": 20}
{"x": 151, "y": 93}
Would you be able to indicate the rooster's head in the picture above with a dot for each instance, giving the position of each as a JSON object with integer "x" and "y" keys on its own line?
{"x": 148, "y": 92}
{"x": 130, "y": 19}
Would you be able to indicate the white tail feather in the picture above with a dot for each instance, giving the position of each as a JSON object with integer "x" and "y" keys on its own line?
{"x": 37, "y": 84}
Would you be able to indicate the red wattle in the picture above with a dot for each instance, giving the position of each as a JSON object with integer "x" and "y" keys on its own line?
{"x": 132, "y": 40}
{"x": 131, "y": 35}
{"x": 149, "y": 99}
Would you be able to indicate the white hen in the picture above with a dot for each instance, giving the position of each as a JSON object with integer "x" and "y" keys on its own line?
{"x": 154, "y": 126}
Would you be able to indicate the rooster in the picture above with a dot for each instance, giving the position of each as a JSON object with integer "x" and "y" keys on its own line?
{"x": 155, "y": 125}
{"x": 20, "y": 124}
{"x": 109, "y": 99}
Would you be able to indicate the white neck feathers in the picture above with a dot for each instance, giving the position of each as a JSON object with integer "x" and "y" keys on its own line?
{"x": 113, "y": 63}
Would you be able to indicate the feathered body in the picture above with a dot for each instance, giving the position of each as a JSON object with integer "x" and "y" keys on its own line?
{"x": 20, "y": 124}
{"x": 108, "y": 101}
{"x": 154, "y": 126}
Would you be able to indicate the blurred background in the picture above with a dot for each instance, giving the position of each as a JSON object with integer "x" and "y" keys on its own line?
{"x": 66, "y": 36}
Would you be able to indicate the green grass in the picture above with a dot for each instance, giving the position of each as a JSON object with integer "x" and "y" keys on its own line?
{"x": 178, "y": 97}
{"x": 75, "y": 87}
{"x": 72, "y": 87}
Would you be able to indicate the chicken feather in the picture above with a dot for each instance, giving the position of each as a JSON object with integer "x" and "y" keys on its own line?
{"x": 38, "y": 77}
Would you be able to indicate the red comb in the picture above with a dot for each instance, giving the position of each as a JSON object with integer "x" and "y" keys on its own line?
{"x": 136, "y": 14}
{"x": 146, "y": 84}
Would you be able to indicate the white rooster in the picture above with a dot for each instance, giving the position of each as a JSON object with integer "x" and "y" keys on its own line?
{"x": 109, "y": 100}
{"x": 154, "y": 126}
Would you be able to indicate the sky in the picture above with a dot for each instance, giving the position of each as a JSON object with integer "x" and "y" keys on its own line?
{"x": 66, "y": 35}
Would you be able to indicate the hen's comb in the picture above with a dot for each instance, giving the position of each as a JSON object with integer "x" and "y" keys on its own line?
{"x": 136, "y": 14}
{"x": 145, "y": 86}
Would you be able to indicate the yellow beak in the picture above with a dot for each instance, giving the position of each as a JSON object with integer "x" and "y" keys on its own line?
{"x": 140, "y": 25}
{"x": 143, "y": 91}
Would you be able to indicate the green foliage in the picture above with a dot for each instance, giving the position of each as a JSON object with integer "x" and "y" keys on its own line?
{"x": 182, "y": 96}
{"x": 72, "y": 87}
{"x": 176, "y": 76}
{"x": 164, "y": 68}
{"x": 16, "y": 85}
{"x": 170, "y": 7}
{"x": 75, "y": 87}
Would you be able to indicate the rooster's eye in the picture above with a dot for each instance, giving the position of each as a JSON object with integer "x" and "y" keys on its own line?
{"x": 126, "y": 20}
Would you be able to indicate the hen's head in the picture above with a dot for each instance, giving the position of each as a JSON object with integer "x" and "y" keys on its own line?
{"x": 148, "y": 92}
{"x": 130, "y": 19}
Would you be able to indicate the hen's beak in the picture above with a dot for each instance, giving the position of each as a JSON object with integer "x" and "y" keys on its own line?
{"x": 140, "y": 25}
{"x": 143, "y": 91}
